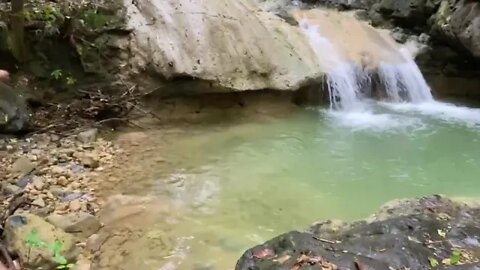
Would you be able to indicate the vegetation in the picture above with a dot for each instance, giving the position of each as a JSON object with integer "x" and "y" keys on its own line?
{"x": 33, "y": 241}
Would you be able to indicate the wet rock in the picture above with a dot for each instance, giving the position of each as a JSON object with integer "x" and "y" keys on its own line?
{"x": 22, "y": 166}
{"x": 88, "y": 136}
{"x": 79, "y": 223}
{"x": 21, "y": 227}
{"x": 402, "y": 234}
{"x": 14, "y": 112}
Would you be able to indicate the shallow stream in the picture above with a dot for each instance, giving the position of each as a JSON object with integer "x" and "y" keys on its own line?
{"x": 234, "y": 185}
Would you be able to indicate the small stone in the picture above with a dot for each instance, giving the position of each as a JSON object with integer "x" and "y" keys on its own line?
{"x": 75, "y": 205}
{"x": 88, "y": 136}
{"x": 24, "y": 181}
{"x": 39, "y": 202}
{"x": 38, "y": 182}
{"x": 62, "y": 181}
{"x": 89, "y": 162}
{"x": 23, "y": 166}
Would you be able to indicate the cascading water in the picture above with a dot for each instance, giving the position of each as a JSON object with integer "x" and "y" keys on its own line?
{"x": 342, "y": 84}
{"x": 402, "y": 81}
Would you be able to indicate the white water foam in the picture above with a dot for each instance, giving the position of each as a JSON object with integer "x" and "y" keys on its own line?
{"x": 438, "y": 110}
{"x": 342, "y": 83}
{"x": 371, "y": 121}
{"x": 404, "y": 81}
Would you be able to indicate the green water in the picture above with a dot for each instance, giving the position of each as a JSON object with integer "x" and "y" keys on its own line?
{"x": 240, "y": 184}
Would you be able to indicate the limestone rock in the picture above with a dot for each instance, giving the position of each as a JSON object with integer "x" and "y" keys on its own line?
{"x": 14, "y": 112}
{"x": 20, "y": 228}
{"x": 465, "y": 25}
{"x": 80, "y": 223}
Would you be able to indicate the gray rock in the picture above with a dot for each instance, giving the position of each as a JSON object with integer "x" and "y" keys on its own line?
{"x": 22, "y": 166}
{"x": 88, "y": 136}
{"x": 79, "y": 223}
{"x": 9, "y": 189}
{"x": 14, "y": 112}
{"x": 394, "y": 238}
{"x": 23, "y": 226}
{"x": 39, "y": 202}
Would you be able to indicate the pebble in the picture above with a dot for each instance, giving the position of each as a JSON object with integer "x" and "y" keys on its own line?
{"x": 38, "y": 182}
{"x": 89, "y": 162}
{"x": 62, "y": 181}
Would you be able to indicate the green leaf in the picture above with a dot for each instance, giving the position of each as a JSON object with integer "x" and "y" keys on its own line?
{"x": 455, "y": 258}
{"x": 433, "y": 262}
{"x": 442, "y": 233}
{"x": 59, "y": 259}
{"x": 56, "y": 74}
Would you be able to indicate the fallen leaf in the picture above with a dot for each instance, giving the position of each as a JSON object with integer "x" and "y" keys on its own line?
{"x": 433, "y": 262}
{"x": 442, "y": 233}
{"x": 261, "y": 254}
{"x": 282, "y": 259}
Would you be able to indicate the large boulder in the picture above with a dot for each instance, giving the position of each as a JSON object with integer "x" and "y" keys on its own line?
{"x": 409, "y": 13}
{"x": 459, "y": 22}
{"x": 34, "y": 241}
{"x": 431, "y": 232}
{"x": 14, "y": 113}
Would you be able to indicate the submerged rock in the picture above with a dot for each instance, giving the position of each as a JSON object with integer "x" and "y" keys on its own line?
{"x": 407, "y": 234}
{"x": 14, "y": 112}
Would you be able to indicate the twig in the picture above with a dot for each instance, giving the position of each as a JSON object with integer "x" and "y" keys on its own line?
{"x": 326, "y": 240}
{"x": 8, "y": 258}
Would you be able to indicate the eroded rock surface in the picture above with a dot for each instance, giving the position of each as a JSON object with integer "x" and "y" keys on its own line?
{"x": 405, "y": 234}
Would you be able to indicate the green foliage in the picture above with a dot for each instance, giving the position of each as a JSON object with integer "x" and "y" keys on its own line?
{"x": 57, "y": 74}
{"x": 49, "y": 14}
{"x": 433, "y": 262}
{"x": 455, "y": 258}
{"x": 70, "y": 81}
{"x": 33, "y": 241}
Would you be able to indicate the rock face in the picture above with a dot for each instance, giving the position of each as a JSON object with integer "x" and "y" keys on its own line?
{"x": 14, "y": 113}
{"x": 460, "y": 23}
{"x": 31, "y": 238}
{"x": 406, "y": 234}
{"x": 232, "y": 44}
{"x": 238, "y": 45}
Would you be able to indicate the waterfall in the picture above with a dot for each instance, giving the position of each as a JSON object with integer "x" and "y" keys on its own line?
{"x": 401, "y": 80}
{"x": 404, "y": 81}
{"x": 341, "y": 76}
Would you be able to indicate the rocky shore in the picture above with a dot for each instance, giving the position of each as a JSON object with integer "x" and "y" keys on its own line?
{"x": 49, "y": 195}
{"x": 428, "y": 233}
